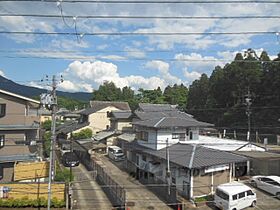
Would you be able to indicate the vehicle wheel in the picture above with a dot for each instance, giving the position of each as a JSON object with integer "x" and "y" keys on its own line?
{"x": 253, "y": 203}
{"x": 278, "y": 195}
{"x": 254, "y": 184}
{"x": 234, "y": 209}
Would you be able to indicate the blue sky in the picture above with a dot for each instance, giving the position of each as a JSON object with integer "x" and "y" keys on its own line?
{"x": 138, "y": 61}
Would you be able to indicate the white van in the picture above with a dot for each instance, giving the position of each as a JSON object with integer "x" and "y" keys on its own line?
{"x": 115, "y": 153}
{"x": 234, "y": 196}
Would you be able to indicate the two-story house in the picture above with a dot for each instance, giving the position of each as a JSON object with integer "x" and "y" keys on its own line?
{"x": 98, "y": 114}
{"x": 19, "y": 127}
{"x": 161, "y": 153}
{"x": 95, "y": 118}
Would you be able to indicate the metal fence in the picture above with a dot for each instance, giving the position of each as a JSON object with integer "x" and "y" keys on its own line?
{"x": 113, "y": 190}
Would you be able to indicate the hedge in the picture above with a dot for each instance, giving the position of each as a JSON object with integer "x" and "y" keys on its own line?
{"x": 26, "y": 202}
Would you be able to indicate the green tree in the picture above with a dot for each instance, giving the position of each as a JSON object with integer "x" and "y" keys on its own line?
{"x": 151, "y": 96}
{"x": 107, "y": 92}
{"x": 47, "y": 143}
{"x": 176, "y": 95}
{"x": 198, "y": 92}
{"x": 83, "y": 134}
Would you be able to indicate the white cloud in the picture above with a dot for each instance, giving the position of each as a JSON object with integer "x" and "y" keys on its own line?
{"x": 134, "y": 52}
{"x": 191, "y": 76}
{"x": 2, "y": 73}
{"x": 74, "y": 87}
{"x": 197, "y": 62}
{"x": 25, "y": 25}
{"x": 83, "y": 76}
{"x": 163, "y": 69}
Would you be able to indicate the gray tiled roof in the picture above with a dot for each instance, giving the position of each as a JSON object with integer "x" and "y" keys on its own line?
{"x": 98, "y": 105}
{"x": 159, "y": 114}
{"x": 146, "y": 107}
{"x": 181, "y": 154}
{"x": 167, "y": 122}
{"x": 68, "y": 128}
{"x": 121, "y": 114}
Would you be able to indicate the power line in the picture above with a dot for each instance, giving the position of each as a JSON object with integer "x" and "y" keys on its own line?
{"x": 130, "y": 58}
{"x": 139, "y": 33}
{"x": 141, "y": 17}
{"x": 153, "y": 1}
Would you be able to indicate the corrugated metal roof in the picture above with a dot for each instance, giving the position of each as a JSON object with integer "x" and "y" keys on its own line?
{"x": 129, "y": 137}
{"x": 224, "y": 144}
{"x": 103, "y": 134}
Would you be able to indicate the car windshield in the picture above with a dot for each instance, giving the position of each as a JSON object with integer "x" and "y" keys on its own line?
{"x": 222, "y": 195}
{"x": 119, "y": 152}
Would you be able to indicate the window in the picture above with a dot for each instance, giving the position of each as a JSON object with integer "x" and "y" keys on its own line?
{"x": 145, "y": 175}
{"x": 2, "y": 110}
{"x": 143, "y": 135}
{"x": 234, "y": 197}
{"x": 222, "y": 195}
{"x": 191, "y": 135}
{"x": 266, "y": 180}
{"x": 275, "y": 183}
{"x": 180, "y": 136}
{"x": 2, "y": 141}
{"x": 249, "y": 192}
{"x": 241, "y": 195}
{"x": 144, "y": 158}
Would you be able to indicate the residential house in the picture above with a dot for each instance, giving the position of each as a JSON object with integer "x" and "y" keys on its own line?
{"x": 193, "y": 170}
{"x": 120, "y": 121}
{"x": 161, "y": 143}
{"x": 98, "y": 114}
{"x": 19, "y": 130}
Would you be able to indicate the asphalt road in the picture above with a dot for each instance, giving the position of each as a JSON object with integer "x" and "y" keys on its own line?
{"x": 87, "y": 194}
{"x": 136, "y": 193}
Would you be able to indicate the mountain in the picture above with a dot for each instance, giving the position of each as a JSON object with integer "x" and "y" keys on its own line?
{"x": 9, "y": 85}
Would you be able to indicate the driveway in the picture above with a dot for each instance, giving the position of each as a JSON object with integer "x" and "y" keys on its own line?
{"x": 265, "y": 201}
{"x": 137, "y": 195}
{"x": 87, "y": 194}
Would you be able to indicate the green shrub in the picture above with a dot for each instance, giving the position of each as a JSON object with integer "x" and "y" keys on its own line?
{"x": 63, "y": 175}
{"x": 25, "y": 202}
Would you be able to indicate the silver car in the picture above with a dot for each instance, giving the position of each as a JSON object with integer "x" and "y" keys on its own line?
{"x": 270, "y": 184}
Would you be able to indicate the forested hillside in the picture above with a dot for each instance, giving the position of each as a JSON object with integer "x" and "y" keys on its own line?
{"x": 220, "y": 97}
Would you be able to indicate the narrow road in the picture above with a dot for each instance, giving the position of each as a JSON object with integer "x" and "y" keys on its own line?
{"x": 136, "y": 194}
{"x": 87, "y": 194}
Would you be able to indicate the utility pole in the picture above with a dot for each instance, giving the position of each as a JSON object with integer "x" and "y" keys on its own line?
{"x": 167, "y": 166}
{"x": 52, "y": 103}
{"x": 49, "y": 101}
{"x": 248, "y": 102}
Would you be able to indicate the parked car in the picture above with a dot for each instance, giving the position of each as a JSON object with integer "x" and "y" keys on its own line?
{"x": 70, "y": 159}
{"x": 115, "y": 153}
{"x": 234, "y": 196}
{"x": 270, "y": 184}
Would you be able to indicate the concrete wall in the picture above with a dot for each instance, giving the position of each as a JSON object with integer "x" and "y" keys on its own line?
{"x": 17, "y": 111}
{"x": 157, "y": 139}
{"x": 265, "y": 167}
{"x": 204, "y": 184}
{"x": 152, "y": 138}
{"x": 99, "y": 120}
{"x": 124, "y": 125}
{"x": 7, "y": 172}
